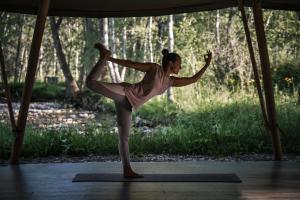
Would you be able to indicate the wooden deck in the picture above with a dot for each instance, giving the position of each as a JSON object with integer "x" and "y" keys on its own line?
{"x": 261, "y": 180}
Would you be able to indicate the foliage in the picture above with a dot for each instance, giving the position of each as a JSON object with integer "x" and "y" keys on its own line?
{"x": 40, "y": 92}
{"x": 220, "y": 124}
{"x": 287, "y": 76}
{"x": 220, "y": 31}
{"x": 218, "y": 115}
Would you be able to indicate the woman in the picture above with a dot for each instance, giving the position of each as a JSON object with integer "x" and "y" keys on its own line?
{"x": 131, "y": 96}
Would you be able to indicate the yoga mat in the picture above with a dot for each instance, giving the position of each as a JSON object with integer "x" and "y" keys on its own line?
{"x": 231, "y": 178}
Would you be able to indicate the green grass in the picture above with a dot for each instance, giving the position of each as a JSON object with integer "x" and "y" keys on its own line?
{"x": 65, "y": 141}
{"x": 213, "y": 130}
{"x": 220, "y": 124}
{"x": 216, "y": 124}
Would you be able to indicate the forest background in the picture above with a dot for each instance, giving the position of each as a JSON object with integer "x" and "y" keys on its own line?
{"x": 221, "y": 110}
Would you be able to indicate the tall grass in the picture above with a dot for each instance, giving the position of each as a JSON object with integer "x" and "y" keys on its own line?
{"x": 207, "y": 122}
{"x": 219, "y": 122}
{"x": 64, "y": 141}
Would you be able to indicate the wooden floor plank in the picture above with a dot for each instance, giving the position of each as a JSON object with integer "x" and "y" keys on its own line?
{"x": 260, "y": 180}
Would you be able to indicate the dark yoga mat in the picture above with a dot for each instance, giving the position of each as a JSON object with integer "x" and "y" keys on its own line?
{"x": 232, "y": 178}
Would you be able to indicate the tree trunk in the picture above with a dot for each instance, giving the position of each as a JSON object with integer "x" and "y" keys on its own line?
{"x": 19, "y": 49}
{"x": 145, "y": 45}
{"x": 113, "y": 49}
{"x": 24, "y": 59}
{"x": 101, "y": 30}
{"x": 221, "y": 68}
{"x": 106, "y": 43}
{"x": 102, "y": 39}
{"x": 218, "y": 28}
{"x": 70, "y": 81}
{"x": 55, "y": 64}
{"x": 160, "y": 25}
{"x": 40, "y": 70}
{"x": 86, "y": 59}
{"x": 150, "y": 38}
{"x": 170, "y": 94}
{"x": 77, "y": 71}
{"x": 124, "y": 46}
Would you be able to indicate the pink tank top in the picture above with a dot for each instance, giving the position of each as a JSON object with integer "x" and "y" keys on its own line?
{"x": 154, "y": 83}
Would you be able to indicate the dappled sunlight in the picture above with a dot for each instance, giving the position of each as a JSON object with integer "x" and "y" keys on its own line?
{"x": 51, "y": 115}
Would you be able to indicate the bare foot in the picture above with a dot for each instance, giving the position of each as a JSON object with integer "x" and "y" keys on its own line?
{"x": 104, "y": 53}
{"x": 129, "y": 173}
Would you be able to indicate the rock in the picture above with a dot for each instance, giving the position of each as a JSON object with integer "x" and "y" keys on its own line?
{"x": 142, "y": 122}
{"x": 83, "y": 115}
{"x": 146, "y": 130}
{"x": 73, "y": 116}
{"x": 114, "y": 130}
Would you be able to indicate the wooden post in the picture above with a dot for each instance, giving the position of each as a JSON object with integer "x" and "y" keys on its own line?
{"x": 7, "y": 91}
{"x": 30, "y": 78}
{"x": 267, "y": 78}
{"x": 254, "y": 65}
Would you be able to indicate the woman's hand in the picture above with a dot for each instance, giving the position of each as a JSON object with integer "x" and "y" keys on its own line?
{"x": 182, "y": 81}
{"x": 207, "y": 57}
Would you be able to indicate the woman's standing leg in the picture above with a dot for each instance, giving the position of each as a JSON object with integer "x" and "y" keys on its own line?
{"x": 115, "y": 92}
{"x": 124, "y": 124}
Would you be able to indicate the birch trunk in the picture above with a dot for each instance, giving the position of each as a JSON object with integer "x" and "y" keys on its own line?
{"x": 170, "y": 94}
{"x": 218, "y": 28}
{"x": 150, "y": 38}
{"x": 113, "y": 49}
{"x": 124, "y": 46}
{"x": 106, "y": 43}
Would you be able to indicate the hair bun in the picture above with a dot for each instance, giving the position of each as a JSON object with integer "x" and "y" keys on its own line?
{"x": 165, "y": 51}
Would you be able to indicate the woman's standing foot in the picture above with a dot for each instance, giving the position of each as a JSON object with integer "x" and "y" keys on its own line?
{"x": 129, "y": 173}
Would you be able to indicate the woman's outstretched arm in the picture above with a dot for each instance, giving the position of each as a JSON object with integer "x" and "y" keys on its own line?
{"x": 144, "y": 67}
{"x": 183, "y": 81}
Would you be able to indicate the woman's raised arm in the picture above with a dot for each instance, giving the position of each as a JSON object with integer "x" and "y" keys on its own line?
{"x": 183, "y": 81}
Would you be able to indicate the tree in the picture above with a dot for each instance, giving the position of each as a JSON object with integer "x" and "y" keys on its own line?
{"x": 88, "y": 55}
{"x": 19, "y": 47}
{"x": 170, "y": 94}
{"x": 72, "y": 87}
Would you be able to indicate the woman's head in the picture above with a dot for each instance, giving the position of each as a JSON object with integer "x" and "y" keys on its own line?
{"x": 171, "y": 60}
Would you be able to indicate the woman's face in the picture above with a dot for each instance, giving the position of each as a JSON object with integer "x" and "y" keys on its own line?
{"x": 176, "y": 66}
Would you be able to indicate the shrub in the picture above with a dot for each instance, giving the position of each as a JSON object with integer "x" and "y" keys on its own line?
{"x": 287, "y": 76}
{"x": 40, "y": 92}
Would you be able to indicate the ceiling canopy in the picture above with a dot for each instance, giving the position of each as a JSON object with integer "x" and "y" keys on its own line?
{"x": 131, "y": 8}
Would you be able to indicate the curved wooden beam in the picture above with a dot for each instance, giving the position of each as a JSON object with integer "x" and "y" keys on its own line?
{"x": 254, "y": 65}
{"x": 267, "y": 78}
{"x": 30, "y": 78}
